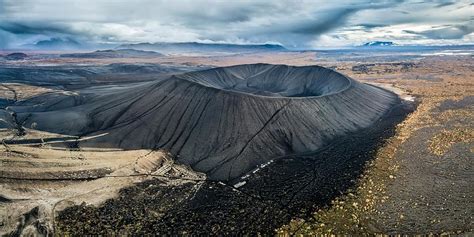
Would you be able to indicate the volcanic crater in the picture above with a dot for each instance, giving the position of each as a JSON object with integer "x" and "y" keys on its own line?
{"x": 271, "y": 81}
{"x": 224, "y": 122}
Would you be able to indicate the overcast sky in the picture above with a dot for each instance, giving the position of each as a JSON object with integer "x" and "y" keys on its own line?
{"x": 292, "y": 23}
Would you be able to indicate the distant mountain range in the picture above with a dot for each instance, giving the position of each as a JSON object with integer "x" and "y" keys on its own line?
{"x": 56, "y": 44}
{"x": 378, "y": 44}
{"x": 202, "y": 48}
{"x": 117, "y": 53}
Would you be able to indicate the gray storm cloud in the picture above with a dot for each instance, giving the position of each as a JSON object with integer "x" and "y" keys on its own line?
{"x": 451, "y": 32}
{"x": 299, "y": 24}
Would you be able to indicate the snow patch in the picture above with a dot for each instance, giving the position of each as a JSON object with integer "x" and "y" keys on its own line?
{"x": 240, "y": 184}
{"x": 408, "y": 98}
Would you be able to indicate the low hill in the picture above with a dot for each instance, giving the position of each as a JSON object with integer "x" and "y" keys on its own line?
{"x": 16, "y": 56}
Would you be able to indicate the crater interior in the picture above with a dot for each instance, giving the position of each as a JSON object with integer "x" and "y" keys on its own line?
{"x": 271, "y": 80}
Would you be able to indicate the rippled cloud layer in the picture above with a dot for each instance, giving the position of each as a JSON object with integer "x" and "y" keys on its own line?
{"x": 294, "y": 24}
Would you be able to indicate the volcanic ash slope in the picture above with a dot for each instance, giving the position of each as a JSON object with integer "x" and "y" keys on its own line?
{"x": 223, "y": 121}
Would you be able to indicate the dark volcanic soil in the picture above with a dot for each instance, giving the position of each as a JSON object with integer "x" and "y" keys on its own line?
{"x": 293, "y": 186}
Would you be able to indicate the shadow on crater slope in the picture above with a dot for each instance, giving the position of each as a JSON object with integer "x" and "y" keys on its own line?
{"x": 222, "y": 121}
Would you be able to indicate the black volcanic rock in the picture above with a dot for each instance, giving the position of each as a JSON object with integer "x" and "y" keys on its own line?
{"x": 16, "y": 56}
{"x": 194, "y": 47}
{"x": 223, "y": 121}
{"x": 119, "y": 53}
